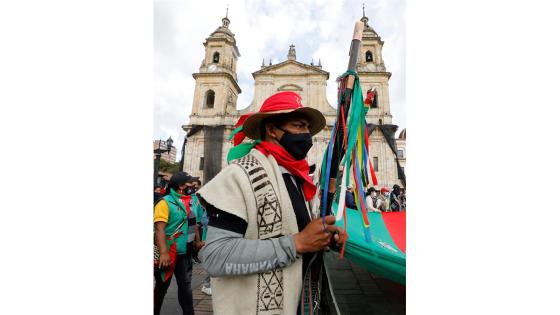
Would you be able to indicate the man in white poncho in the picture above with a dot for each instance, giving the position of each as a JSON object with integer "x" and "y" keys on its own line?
{"x": 263, "y": 247}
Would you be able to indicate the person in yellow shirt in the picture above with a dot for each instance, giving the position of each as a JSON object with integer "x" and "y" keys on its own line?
{"x": 171, "y": 219}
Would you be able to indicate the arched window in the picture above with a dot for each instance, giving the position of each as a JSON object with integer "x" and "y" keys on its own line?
{"x": 216, "y": 57}
{"x": 369, "y": 56}
{"x": 209, "y": 99}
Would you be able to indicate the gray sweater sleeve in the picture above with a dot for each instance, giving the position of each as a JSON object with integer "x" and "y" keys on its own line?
{"x": 227, "y": 253}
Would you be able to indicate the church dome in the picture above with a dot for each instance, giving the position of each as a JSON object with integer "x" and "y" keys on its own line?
{"x": 368, "y": 30}
{"x": 223, "y": 29}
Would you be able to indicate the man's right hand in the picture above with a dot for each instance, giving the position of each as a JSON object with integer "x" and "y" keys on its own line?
{"x": 164, "y": 260}
{"x": 314, "y": 238}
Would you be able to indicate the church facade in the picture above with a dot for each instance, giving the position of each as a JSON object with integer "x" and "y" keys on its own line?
{"x": 214, "y": 110}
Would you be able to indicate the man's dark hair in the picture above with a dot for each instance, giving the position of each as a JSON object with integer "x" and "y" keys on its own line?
{"x": 276, "y": 120}
{"x": 396, "y": 189}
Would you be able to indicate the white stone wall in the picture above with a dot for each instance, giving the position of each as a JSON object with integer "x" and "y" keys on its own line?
{"x": 194, "y": 150}
{"x": 401, "y": 145}
{"x": 309, "y": 82}
{"x": 387, "y": 174}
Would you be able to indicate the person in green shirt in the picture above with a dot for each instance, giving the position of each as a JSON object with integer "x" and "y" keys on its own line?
{"x": 171, "y": 221}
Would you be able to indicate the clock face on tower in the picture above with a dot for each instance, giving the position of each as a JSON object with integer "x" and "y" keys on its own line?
{"x": 212, "y": 68}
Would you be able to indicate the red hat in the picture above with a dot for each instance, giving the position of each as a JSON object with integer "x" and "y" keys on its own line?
{"x": 384, "y": 189}
{"x": 283, "y": 103}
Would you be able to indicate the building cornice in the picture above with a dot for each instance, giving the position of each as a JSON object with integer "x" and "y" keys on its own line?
{"x": 217, "y": 74}
{"x": 380, "y": 73}
{"x": 230, "y": 41}
{"x": 315, "y": 69}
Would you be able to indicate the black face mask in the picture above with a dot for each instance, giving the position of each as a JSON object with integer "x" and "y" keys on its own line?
{"x": 189, "y": 191}
{"x": 297, "y": 144}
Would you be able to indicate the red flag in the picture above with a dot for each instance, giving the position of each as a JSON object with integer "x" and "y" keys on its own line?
{"x": 371, "y": 98}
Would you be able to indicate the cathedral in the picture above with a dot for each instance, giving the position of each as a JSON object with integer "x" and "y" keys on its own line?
{"x": 214, "y": 109}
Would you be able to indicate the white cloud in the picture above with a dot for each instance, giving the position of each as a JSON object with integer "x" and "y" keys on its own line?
{"x": 264, "y": 30}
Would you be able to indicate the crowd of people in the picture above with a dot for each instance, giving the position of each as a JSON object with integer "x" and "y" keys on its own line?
{"x": 383, "y": 200}
{"x": 178, "y": 203}
{"x": 179, "y": 231}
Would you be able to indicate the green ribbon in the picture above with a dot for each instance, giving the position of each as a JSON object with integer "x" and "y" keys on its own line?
{"x": 236, "y": 130}
{"x": 241, "y": 150}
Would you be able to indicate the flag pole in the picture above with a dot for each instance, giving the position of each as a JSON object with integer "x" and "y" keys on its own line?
{"x": 338, "y": 147}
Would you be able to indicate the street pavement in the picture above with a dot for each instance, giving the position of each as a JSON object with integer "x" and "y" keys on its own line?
{"x": 202, "y": 302}
{"x": 356, "y": 291}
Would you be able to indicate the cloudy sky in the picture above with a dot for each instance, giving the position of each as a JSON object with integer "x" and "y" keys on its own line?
{"x": 319, "y": 29}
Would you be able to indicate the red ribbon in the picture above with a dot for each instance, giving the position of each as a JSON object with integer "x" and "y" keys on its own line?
{"x": 186, "y": 199}
{"x": 240, "y": 135}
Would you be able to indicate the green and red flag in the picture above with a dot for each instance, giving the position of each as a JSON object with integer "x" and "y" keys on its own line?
{"x": 166, "y": 273}
{"x": 385, "y": 252}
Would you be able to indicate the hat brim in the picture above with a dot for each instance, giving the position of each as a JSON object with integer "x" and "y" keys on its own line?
{"x": 252, "y": 126}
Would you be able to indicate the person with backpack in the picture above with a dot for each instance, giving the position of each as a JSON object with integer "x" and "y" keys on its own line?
{"x": 173, "y": 224}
